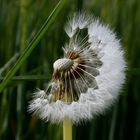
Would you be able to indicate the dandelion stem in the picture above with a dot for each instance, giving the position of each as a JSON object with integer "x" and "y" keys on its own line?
{"x": 67, "y": 129}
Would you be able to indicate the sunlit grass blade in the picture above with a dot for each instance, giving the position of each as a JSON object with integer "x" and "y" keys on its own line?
{"x": 32, "y": 44}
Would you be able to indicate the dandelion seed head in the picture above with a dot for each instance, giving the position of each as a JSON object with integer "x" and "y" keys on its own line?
{"x": 62, "y": 64}
{"x": 87, "y": 80}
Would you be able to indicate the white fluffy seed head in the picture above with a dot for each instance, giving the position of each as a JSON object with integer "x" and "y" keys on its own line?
{"x": 62, "y": 64}
{"x": 97, "y": 74}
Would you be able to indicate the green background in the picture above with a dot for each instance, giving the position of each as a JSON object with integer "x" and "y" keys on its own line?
{"x": 20, "y": 20}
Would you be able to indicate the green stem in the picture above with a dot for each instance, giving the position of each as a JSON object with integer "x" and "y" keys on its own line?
{"x": 32, "y": 44}
{"x": 20, "y": 89}
{"x": 28, "y": 77}
{"x": 7, "y": 65}
{"x": 67, "y": 129}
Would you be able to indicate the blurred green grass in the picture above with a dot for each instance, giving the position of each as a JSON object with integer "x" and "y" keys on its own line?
{"x": 20, "y": 21}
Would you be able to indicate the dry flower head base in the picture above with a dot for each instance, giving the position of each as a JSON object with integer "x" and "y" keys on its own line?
{"x": 87, "y": 80}
{"x": 76, "y": 72}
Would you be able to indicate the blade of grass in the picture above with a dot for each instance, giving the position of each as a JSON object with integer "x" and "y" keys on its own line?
{"x": 28, "y": 77}
{"x": 20, "y": 101}
{"x": 7, "y": 65}
{"x": 32, "y": 44}
{"x": 113, "y": 123}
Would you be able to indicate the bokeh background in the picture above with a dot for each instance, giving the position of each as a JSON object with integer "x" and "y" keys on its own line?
{"x": 20, "y": 20}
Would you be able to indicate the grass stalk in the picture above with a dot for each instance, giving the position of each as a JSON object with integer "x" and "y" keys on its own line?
{"x": 20, "y": 88}
{"x": 113, "y": 123}
{"x": 67, "y": 129}
{"x": 32, "y": 44}
{"x": 9, "y": 63}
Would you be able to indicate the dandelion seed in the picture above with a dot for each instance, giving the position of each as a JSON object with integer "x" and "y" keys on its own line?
{"x": 88, "y": 79}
